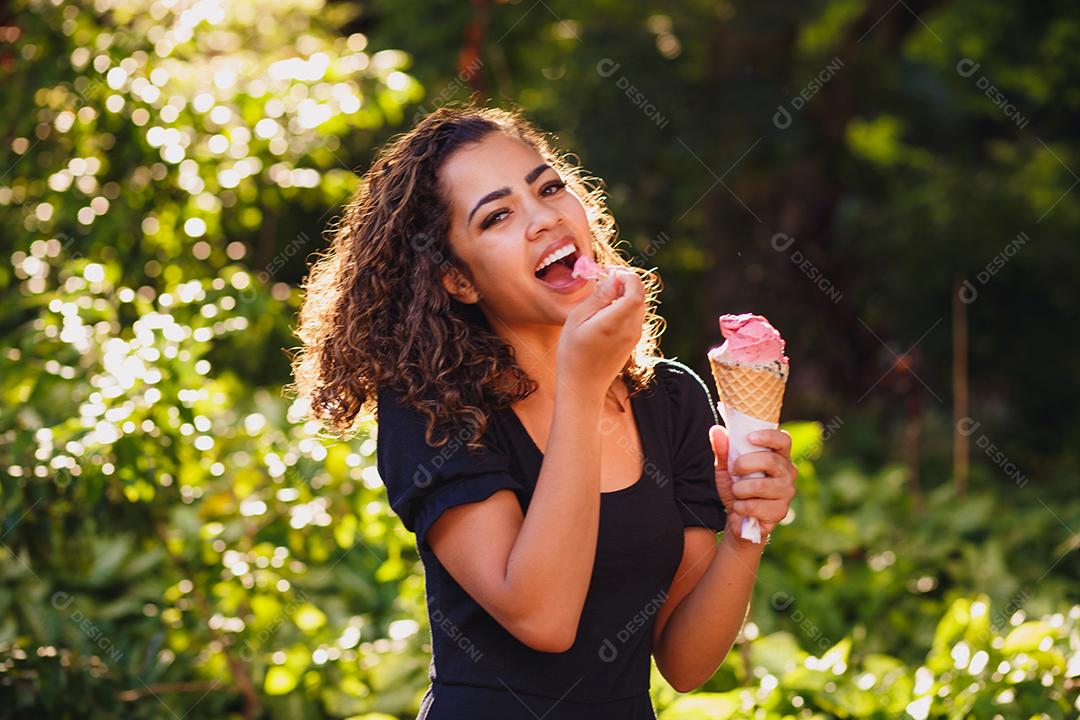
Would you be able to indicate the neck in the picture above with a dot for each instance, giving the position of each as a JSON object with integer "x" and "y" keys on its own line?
{"x": 535, "y": 350}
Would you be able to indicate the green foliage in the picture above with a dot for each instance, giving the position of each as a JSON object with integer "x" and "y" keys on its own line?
{"x": 862, "y": 549}
{"x": 175, "y": 541}
{"x": 858, "y": 615}
{"x": 973, "y": 669}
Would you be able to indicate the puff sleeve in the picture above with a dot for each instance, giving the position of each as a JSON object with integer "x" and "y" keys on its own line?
{"x": 421, "y": 481}
{"x": 692, "y": 413}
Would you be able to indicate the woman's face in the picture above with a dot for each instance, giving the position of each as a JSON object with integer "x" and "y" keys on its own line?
{"x": 508, "y": 212}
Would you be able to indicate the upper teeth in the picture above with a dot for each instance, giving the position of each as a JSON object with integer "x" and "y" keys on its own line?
{"x": 560, "y": 253}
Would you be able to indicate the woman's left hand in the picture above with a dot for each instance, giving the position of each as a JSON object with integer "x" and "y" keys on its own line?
{"x": 766, "y": 498}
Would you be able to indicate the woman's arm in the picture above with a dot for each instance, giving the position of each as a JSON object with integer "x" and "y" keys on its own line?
{"x": 551, "y": 563}
{"x": 532, "y": 573}
{"x": 700, "y": 632}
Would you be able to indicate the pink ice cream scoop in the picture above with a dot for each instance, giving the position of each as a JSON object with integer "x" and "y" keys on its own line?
{"x": 750, "y": 338}
{"x": 586, "y": 268}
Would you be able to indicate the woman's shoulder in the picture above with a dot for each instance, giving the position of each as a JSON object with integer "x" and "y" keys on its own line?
{"x": 677, "y": 377}
{"x": 688, "y": 394}
{"x": 405, "y": 424}
{"x": 421, "y": 479}
{"x": 392, "y": 408}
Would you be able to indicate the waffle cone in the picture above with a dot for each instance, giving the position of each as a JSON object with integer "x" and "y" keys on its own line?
{"x": 756, "y": 390}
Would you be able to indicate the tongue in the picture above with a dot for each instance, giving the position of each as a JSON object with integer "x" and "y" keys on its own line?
{"x": 556, "y": 273}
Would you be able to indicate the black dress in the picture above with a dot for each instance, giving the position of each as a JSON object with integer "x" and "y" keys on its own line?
{"x": 478, "y": 669}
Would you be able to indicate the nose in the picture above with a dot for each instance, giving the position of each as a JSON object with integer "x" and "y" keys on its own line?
{"x": 542, "y": 216}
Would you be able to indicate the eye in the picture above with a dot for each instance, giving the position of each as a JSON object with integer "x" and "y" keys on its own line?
{"x": 496, "y": 216}
{"x": 491, "y": 219}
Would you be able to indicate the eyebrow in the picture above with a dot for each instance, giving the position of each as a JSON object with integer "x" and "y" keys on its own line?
{"x": 530, "y": 177}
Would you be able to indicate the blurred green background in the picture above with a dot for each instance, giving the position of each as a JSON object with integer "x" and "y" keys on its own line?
{"x": 892, "y": 184}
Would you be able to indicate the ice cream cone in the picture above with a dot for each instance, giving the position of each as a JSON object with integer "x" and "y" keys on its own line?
{"x": 755, "y": 389}
{"x": 751, "y": 371}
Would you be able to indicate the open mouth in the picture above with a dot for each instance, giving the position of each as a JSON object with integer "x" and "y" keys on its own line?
{"x": 559, "y": 272}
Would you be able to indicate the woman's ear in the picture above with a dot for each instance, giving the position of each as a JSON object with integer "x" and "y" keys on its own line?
{"x": 459, "y": 286}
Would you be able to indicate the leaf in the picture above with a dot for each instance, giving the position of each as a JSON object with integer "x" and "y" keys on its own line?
{"x": 778, "y": 653}
{"x": 345, "y": 531}
{"x": 309, "y": 618}
{"x": 836, "y": 655}
{"x": 704, "y": 706}
{"x": 280, "y": 680}
{"x": 806, "y": 440}
{"x": 109, "y": 553}
{"x": 1025, "y": 638}
{"x": 952, "y": 624}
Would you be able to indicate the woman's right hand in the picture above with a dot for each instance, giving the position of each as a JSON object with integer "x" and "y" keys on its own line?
{"x": 602, "y": 330}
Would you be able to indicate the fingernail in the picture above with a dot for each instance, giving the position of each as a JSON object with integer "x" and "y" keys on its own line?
{"x": 754, "y": 436}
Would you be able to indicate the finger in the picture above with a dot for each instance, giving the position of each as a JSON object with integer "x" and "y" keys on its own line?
{"x": 605, "y": 292}
{"x": 629, "y": 277}
{"x": 779, "y": 440}
{"x": 724, "y": 489}
{"x": 619, "y": 277}
{"x": 621, "y": 314}
{"x": 632, "y": 291}
{"x": 718, "y": 437}
{"x": 619, "y": 298}
{"x": 766, "y": 487}
{"x": 766, "y": 461}
{"x": 766, "y": 511}
{"x": 734, "y": 519}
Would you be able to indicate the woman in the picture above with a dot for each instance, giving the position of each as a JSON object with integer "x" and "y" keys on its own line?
{"x": 565, "y": 484}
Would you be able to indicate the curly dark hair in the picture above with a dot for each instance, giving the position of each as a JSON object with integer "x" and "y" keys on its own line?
{"x": 375, "y": 312}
